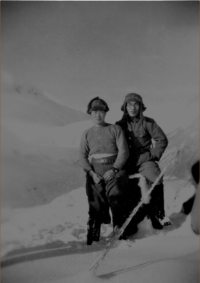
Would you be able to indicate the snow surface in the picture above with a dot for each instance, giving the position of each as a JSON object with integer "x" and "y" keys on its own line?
{"x": 169, "y": 255}
{"x": 64, "y": 219}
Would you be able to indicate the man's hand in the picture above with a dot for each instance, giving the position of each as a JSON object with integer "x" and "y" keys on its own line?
{"x": 96, "y": 178}
{"x": 109, "y": 175}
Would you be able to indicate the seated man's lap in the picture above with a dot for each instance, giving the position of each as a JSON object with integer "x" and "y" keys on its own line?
{"x": 150, "y": 170}
{"x": 119, "y": 185}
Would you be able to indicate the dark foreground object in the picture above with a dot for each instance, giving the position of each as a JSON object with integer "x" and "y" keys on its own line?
{"x": 93, "y": 231}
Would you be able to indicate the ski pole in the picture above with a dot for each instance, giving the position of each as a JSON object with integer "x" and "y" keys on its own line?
{"x": 135, "y": 210}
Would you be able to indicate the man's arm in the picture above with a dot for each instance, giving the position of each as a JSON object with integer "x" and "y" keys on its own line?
{"x": 84, "y": 153}
{"x": 123, "y": 151}
{"x": 160, "y": 139}
{"x": 83, "y": 159}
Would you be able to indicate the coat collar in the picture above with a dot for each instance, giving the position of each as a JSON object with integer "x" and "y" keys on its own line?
{"x": 135, "y": 119}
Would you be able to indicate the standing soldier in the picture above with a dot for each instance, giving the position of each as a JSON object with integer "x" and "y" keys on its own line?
{"x": 103, "y": 152}
{"x": 143, "y": 158}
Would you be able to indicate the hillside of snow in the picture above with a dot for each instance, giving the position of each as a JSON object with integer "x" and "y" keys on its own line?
{"x": 43, "y": 200}
{"x": 27, "y": 103}
{"x": 39, "y": 146}
{"x": 185, "y": 139}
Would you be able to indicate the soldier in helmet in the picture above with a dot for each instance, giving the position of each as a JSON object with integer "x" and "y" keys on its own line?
{"x": 143, "y": 158}
{"x": 103, "y": 152}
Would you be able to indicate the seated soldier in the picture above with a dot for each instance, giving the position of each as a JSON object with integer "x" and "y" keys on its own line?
{"x": 103, "y": 152}
{"x": 143, "y": 158}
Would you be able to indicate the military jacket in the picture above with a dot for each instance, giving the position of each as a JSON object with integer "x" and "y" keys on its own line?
{"x": 139, "y": 134}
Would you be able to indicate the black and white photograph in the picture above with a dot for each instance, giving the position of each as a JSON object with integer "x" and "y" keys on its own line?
{"x": 100, "y": 141}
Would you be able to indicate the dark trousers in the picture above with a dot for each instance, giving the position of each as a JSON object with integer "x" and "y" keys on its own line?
{"x": 113, "y": 194}
{"x": 150, "y": 170}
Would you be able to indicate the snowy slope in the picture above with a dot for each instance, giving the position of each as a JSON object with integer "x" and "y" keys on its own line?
{"x": 64, "y": 219}
{"x": 27, "y": 103}
{"x": 39, "y": 146}
{"x": 186, "y": 139}
{"x": 43, "y": 198}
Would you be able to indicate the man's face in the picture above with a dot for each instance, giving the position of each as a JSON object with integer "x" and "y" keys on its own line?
{"x": 133, "y": 108}
{"x": 98, "y": 117}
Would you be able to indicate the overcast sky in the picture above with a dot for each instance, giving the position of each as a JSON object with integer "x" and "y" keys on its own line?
{"x": 78, "y": 50}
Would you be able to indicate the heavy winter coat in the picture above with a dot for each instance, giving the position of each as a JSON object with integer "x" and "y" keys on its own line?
{"x": 139, "y": 133}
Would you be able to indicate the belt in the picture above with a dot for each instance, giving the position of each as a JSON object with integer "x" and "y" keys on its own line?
{"x": 104, "y": 160}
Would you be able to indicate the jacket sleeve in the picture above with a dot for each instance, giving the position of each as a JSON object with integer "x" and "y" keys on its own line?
{"x": 84, "y": 153}
{"x": 123, "y": 151}
{"x": 160, "y": 139}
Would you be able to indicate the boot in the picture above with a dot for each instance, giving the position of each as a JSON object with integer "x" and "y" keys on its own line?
{"x": 164, "y": 220}
{"x": 157, "y": 211}
{"x": 160, "y": 215}
{"x": 156, "y": 223}
{"x": 93, "y": 230}
{"x": 130, "y": 230}
{"x": 96, "y": 230}
{"x": 127, "y": 233}
{"x": 90, "y": 224}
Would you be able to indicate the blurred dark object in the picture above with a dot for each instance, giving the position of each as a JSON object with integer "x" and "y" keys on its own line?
{"x": 195, "y": 208}
{"x": 195, "y": 172}
{"x": 187, "y": 206}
